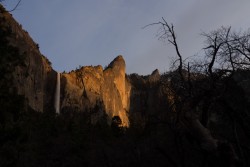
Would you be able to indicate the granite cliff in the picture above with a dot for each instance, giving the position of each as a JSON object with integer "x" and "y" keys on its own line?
{"x": 82, "y": 89}
{"x": 29, "y": 71}
{"x": 89, "y": 86}
{"x": 170, "y": 121}
{"x": 111, "y": 90}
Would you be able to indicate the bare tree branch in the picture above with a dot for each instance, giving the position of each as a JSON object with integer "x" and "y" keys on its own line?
{"x": 15, "y": 7}
{"x": 169, "y": 34}
{"x": 18, "y": 3}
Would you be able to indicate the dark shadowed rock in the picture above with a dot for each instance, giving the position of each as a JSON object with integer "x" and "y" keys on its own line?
{"x": 33, "y": 76}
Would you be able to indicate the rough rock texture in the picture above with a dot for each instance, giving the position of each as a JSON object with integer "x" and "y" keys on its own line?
{"x": 89, "y": 86}
{"x": 82, "y": 89}
{"x": 164, "y": 129}
{"x": 148, "y": 98}
{"x": 34, "y": 76}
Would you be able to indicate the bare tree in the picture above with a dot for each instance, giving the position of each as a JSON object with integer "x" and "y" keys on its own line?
{"x": 227, "y": 51}
{"x": 190, "y": 119}
{"x": 215, "y": 40}
{"x": 240, "y": 45}
{"x": 168, "y": 34}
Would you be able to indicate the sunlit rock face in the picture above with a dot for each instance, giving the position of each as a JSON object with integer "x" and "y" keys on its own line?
{"x": 81, "y": 88}
{"x": 115, "y": 95}
{"x": 89, "y": 86}
{"x": 109, "y": 90}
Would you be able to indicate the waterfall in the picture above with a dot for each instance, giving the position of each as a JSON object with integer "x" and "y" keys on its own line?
{"x": 57, "y": 94}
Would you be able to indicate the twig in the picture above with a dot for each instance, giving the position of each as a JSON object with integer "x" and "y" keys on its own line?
{"x": 15, "y": 6}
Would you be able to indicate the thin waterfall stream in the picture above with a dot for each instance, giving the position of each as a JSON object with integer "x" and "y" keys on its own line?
{"x": 57, "y": 94}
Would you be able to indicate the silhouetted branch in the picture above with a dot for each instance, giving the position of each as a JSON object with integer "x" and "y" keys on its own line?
{"x": 215, "y": 40}
{"x": 169, "y": 34}
{"x": 15, "y": 7}
{"x": 227, "y": 50}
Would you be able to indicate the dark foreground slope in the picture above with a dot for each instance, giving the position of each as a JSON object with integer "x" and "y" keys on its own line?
{"x": 109, "y": 118}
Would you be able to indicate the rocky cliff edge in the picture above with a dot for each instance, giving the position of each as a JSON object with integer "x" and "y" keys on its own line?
{"x": 90, "y": 86}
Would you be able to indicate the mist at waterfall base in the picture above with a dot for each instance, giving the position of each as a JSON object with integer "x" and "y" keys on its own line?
{"x": 57, "y": 94}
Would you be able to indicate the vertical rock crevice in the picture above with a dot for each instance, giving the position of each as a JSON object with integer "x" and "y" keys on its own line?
{"x": 109, "y": 86}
